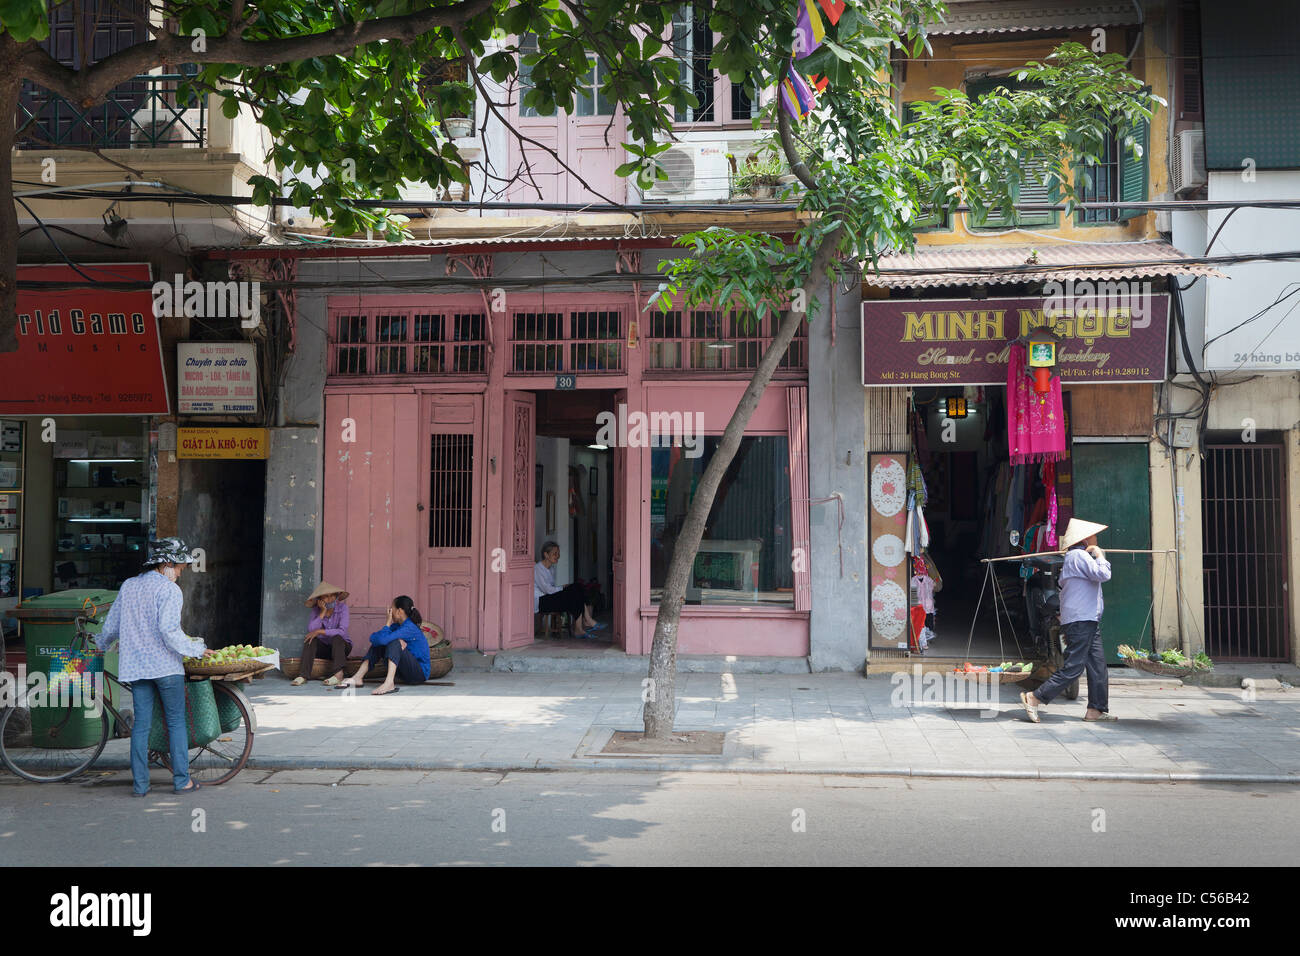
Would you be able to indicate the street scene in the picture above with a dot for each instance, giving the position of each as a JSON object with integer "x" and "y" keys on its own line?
{"x": 518, "y": 433}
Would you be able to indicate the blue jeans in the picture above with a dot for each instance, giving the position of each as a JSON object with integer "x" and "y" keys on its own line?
{"x": 144, "y": 693}
{"x": 1083, "y": 652}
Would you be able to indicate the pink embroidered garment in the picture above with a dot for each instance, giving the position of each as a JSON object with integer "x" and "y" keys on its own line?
{"x": 1035, "y": 424}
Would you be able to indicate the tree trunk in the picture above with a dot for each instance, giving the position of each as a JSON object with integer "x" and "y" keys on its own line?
{"x": 661, "y": 706}
{"x": 10, "y": 85}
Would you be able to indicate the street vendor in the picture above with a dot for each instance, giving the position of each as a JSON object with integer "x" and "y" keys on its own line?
{"x": 326, "y": 631}
{"x": 146, "y": 621}
{"x": 1082, "y": 575}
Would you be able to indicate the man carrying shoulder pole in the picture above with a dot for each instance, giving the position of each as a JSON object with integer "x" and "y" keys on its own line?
{"x": 1082, "y": 575}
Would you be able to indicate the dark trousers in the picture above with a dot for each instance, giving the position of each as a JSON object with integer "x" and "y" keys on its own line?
{"x": 572, "y": 599}
{"x": 338, "y": 648}
{"x": 408, "y": 668}
{"x": 1083, "y": 652}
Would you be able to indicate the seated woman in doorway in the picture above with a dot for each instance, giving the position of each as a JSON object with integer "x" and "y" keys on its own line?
{"x": 401, "y": 644}
{"x": 549, "y": 596}
{"x": 328, "y": 631}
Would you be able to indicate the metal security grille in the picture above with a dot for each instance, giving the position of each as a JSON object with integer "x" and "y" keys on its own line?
{"x": 451, "y": 487}
{"x": 1244, "y": 536}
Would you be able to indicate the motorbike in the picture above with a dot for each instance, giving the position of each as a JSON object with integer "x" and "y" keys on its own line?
{"x": 1040, "y": 575}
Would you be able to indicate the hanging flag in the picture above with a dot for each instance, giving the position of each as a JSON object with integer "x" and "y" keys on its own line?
{"x": 808, "y": 29}
{"x": 818, "y": 82}
{"x": 797, "y": 97}
{"x": 834, "y": 9}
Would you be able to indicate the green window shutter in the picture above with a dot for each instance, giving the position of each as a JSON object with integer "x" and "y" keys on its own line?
{"x": 935, "y": 219}
{"x": 1032, "y": 188}
{"x": 1133, "y": 169}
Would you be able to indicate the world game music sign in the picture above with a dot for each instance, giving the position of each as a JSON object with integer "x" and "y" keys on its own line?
{"x": 1114, "y": 337}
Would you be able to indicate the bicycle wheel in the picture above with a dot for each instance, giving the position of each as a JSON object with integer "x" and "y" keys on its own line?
{"x": 34, "y": 753}
{"x": 220, "y": 759}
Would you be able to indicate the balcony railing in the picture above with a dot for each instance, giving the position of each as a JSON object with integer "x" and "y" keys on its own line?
{"x": 144, "y": 112}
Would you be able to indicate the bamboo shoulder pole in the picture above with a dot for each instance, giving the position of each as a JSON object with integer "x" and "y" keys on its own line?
{"x": 1045, "y": 554}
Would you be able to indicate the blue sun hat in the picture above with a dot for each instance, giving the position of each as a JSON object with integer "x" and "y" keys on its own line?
{"x": 168, "y": 551}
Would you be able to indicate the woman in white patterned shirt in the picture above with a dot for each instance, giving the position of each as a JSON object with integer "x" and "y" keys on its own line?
{"x": 146, "y": 620}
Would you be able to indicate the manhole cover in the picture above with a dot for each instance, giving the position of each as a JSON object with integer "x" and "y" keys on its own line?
{"x": 697, "y": 742}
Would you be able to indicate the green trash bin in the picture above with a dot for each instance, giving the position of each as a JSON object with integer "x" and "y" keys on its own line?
{"x": 49, "y": 628}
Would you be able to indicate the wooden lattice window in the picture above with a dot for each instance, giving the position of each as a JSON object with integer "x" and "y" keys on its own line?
{"x": 395, "y": 342}
{"x": 712, "y": 340}
{"x": 585, "y": 341}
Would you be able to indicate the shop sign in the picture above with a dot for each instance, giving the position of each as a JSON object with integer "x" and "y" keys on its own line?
{"x": 216, "y": 378}
{"x": 243, "y": 443}
{"x": 1121, "y": 337}
{"x": 87, "y": 351}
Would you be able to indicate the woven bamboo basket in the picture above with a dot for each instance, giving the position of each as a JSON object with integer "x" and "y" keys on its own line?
{"x": 1011, "y": 677}
{"x": 1159, "y": 668}
{"x": 320, "y": 668}
{"x": 230, "y": 667}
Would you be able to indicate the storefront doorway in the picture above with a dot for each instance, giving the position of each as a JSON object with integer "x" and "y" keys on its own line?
{"x": 567, "y": 475}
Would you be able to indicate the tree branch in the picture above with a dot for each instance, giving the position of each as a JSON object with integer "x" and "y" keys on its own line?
{"x": 87, "y": 87}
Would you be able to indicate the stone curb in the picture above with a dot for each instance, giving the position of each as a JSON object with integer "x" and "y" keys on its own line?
{"x": 685, "y": 766}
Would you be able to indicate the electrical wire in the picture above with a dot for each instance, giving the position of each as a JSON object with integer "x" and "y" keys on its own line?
{"x": 1282, "y": 297}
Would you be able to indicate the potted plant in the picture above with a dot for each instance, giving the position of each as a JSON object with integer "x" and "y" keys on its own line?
{"x": 457, "y": 108}
{"x": 759, "y": 176}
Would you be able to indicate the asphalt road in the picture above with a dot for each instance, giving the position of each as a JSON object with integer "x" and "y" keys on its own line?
{"x": 314, "y": 818}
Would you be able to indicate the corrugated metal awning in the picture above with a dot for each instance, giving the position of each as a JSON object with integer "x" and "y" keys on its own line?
{"x": 988, "y": 265}
{"x": 1019, "y": 16}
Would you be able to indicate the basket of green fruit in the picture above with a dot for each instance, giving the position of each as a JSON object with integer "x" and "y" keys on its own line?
{"x": 236, "y": 659}
{"x": 1167, "y": 663}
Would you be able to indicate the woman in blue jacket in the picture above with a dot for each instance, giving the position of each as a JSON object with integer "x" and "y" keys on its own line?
{"x": 402, "y": 644}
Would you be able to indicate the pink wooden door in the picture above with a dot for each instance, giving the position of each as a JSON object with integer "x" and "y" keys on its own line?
{"x": 593, "y": 144}
{"x": 450, "y": 497}
{"x": 586, "y": 141}
{"x": 517, "y": 507}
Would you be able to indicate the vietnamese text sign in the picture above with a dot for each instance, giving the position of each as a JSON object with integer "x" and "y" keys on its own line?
{"x": 85, "y": 351}
{"x": 216, "y": 378}
{"x": 222, "y": 442}
{"x": 967, "y": 341}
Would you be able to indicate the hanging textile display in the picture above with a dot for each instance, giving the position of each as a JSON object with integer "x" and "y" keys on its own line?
{"x": 1049, "y": 482}
{"x": 1035, "y": 421}
{"x": 887, "y": 528}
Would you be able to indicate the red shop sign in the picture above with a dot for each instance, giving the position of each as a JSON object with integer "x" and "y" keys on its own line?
{"x": 1115, "y": 337}
{"x": 85, "y": 351}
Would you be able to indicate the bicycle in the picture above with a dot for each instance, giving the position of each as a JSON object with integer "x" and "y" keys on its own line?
{"x": 55, "y": 751}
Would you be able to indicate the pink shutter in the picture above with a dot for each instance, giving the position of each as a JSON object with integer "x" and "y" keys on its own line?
{"x": 797, "y": 403}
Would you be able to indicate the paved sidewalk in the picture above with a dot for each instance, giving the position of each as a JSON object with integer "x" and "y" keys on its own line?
{"x": 809, "y": 723}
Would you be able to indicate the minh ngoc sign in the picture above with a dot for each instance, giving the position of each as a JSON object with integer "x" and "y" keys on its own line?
{"x": 1116, "y": 337}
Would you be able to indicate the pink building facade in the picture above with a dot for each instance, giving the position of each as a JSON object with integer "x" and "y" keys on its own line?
{"x": 442, "y": 419}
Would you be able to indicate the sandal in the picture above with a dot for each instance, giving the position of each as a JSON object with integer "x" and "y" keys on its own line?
{"x": 298, "y": 681}
{"x": 380, "y": 692}
{"x": 1031, "y": 711}
{"x": 194, "y": 785}
{"x": 332, "y": 681}
{"x": 1104, "y": 716}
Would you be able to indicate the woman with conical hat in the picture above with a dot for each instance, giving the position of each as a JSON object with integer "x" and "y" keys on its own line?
{"x": 327, "y": 632}
{"x": 1082, "y": 575}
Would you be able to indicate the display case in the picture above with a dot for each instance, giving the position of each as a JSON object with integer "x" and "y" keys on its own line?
{"x": 11, "y": 514}
{"x": 102, "y": 488}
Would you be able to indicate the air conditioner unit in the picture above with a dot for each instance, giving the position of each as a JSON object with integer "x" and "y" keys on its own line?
{"x": 696, "y": 171}
{"x": 166, "y": 128}
{"x": 1189, "y": 160}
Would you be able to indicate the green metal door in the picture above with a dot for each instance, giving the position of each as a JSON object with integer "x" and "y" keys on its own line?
{"x": 1112, "y": 486}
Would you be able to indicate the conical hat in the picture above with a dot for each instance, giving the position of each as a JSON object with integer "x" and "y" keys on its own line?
{"x": 1077, "y": 531}
{"x": 323, "y": 589}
